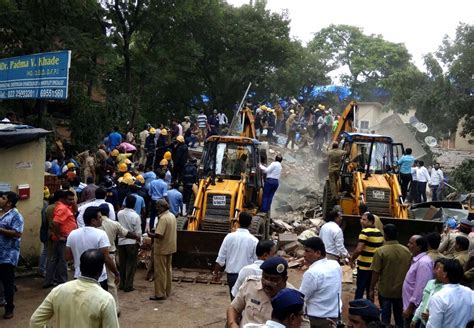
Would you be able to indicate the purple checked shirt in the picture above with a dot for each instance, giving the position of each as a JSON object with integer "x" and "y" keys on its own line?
{"x": 421, "y": 270}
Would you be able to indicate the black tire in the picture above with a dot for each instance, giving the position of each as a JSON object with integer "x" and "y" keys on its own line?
{"x": 257, "y": 228}
{"x": 182, "y": 223}
{"x": 328, "y": 200}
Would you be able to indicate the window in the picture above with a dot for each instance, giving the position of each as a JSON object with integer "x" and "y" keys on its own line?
{"x": 364, "y": 125}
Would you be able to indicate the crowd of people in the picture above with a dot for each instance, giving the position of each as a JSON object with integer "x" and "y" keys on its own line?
{"x": 422, "y": 284}
{"x": 136, "y": 185}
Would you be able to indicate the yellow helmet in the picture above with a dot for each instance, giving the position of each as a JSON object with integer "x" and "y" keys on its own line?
{"x": 127, "y": 175}
{"x": 180, "y": 139}
{"x": 167, "y": 155}
{"x": 46, "y": 193}
{"x": 140, "y": 179}
{"x": 164, "y": 162}
{"x": 127, "y": 161}
{"x": 122, "y": 167}
{"x": 152, "y": 131}
{"x": 128, "y": 180}
{"x": 70, "y": 165}
{"x": 114, "y": 153}
{"x": 164, "y": 132}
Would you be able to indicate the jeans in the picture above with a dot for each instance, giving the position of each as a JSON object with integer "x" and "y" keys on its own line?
{"x": 57, "y": 266}
{"x": 386, "y": 305}
{"x": 7, "y": 279}
{"x": 421, "y": 194}
{"x": 413, "y": 195}
{"x": 434, "y": 196}
{"x": 231, "y": 279}
{"x": 269, "y": 189}
{"x": 405, "y": 179}
{"x": 43, "y": 259}
{"x": 363, "y": 283}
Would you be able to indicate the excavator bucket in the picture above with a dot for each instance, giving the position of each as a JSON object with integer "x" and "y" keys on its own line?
{"x": 197, "y": 249}
{"x": 406, "y": 228}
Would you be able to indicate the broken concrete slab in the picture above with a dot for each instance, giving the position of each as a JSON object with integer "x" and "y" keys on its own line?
{"x": 285, "y": 238}
{"x": 291, "y": 246}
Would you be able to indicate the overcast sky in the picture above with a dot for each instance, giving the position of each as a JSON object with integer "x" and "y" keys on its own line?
{"x": 419, "y": 24}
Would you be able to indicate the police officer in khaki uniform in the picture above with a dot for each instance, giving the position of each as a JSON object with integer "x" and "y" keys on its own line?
{"x": 253, "y": 301}
{"x": 334, "y": 159}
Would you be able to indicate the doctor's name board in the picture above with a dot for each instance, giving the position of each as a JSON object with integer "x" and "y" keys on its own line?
{"x": 43, "y": 75}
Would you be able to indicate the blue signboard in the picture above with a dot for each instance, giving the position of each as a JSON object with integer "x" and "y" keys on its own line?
{"x": 38, "y": 76}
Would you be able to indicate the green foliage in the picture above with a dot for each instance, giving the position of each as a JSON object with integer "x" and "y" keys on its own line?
{"x": 462, "y": 177}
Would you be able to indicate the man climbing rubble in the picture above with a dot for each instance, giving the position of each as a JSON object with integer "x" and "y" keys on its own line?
{"x": 334, "y": 159}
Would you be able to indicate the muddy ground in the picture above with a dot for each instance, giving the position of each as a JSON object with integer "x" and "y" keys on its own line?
{"x": 191, "y": 305}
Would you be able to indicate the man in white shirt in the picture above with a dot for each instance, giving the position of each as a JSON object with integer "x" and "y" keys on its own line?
{"x": 273, "y": 172}
{"x": 423, "y": 177}
{"x": 89, "y": 237}
{"x": 223, "y": 120}
{"x": 264, "y": 250}
{"x": 321, "y": 284}
{"x": 333, "y": 238}
{"x": 437, "y": 181}
{"x": 453, "y": 305}
{"x": 128, "y": 247}
{"x": 237, "y": 250}
{"x": 100, "y": 194}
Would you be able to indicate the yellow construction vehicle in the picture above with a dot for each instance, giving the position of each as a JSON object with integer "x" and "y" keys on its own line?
{"x": 367, "y": 176}
{"x": 230, "y": 181}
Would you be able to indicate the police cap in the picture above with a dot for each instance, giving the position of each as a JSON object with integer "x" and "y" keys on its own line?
{"x": 364, "y": 308}
{"x": 275, "y": 265}
{"x": 286, "y": 298}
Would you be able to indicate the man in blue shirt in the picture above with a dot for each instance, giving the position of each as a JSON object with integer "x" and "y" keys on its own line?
{"x": 158, "y": 190}
{"x": 405, "y": 163}
{"x": 115, "y": 138}
{"x": 139, "y": 207}
{"x": 175, "y": 199}
{"x": 11, "y": 228}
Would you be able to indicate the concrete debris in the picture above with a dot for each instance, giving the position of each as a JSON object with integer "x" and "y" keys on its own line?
{"x": 286, "y": 238}
{"x": 296, "y": 263}
{"x": 290, "y": 247}
{"x": 308, "y": 234}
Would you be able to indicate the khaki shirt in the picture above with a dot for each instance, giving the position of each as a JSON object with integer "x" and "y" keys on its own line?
{"x": 435, "y": 255}
{"x": 113, "y": 229}
{"x": 392, "y": 262}
{"x": 167, "y": 228}
{"x": 462, "y": 257}
{"x": 252, "y": 303}
{"x": 448, "y": 242}
{"x": 77, "y": 303}
{"x": 334, "y": 158}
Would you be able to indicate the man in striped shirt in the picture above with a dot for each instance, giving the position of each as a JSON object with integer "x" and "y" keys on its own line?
{"x": 370, "y": 238}
{"x": 202, "y": 124}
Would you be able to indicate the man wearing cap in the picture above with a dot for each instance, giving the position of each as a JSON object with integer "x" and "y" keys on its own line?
{"x": 114, "y": 230}
{"x": 253, "y": 301}
{"x": 321, "y": 284}
{"x": 150, "y": 147}
{"x": 363, "y": 312}
{"x": 287, "y": 310}
{"x": 237, "y": 250}
{"x": 180, "y": 157}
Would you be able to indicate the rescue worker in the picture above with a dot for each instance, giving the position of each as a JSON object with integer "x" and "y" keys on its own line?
{"x": 334, "y": 158}
{"x": 150, "y": 147}
{"x": 162, "y": 147}
{"x": 189, "y": 178}
{"x": 291, "y": 129}
{"x": 257, "y": 292}
{"x": 142, "y": 136}
{"x": 180, "y": 157}
{"x": 273, "y": 172}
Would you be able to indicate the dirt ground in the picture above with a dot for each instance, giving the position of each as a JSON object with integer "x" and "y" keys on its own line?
{"x": 191, "y": 305}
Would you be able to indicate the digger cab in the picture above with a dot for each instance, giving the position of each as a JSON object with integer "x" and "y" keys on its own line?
{"x": 367, "y": 174}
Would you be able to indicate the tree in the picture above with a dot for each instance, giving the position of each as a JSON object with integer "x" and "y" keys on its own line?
{"x": 369, "y": 58}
